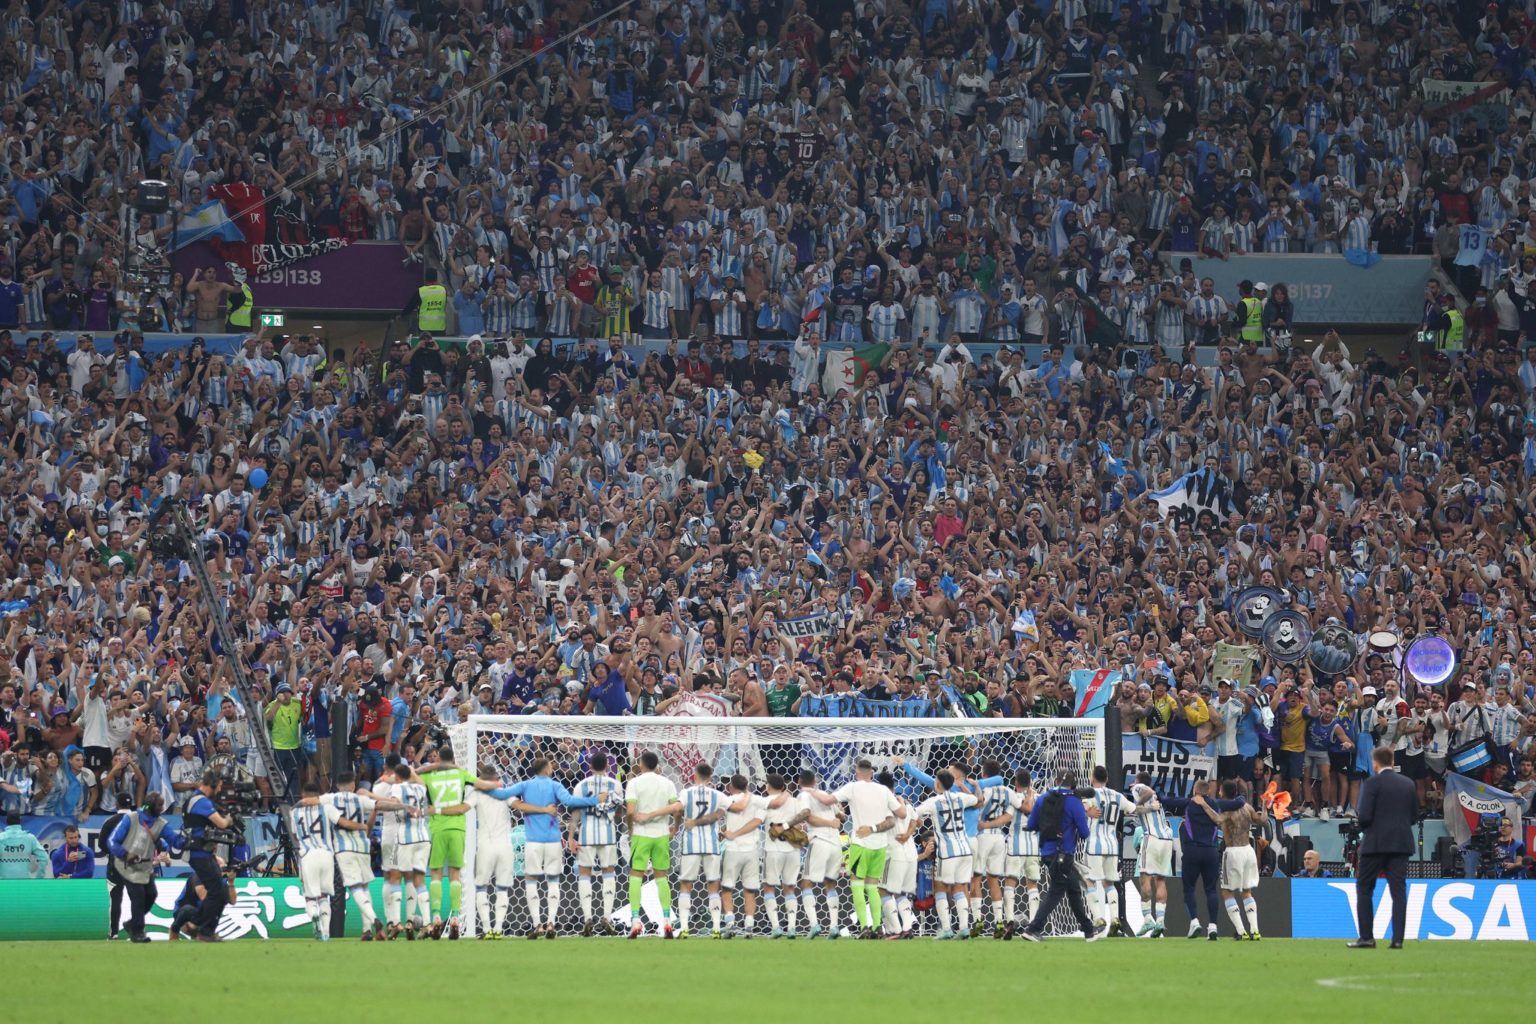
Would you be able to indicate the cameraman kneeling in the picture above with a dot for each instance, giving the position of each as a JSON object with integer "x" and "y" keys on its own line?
{"x": 201, "y": 815}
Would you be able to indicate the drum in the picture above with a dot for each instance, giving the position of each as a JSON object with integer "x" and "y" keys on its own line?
{"x": 1286, "y": 635}
{"x": 1254, "y": 607}
{"x": 1430, "y": 660}
{"x": 1332, "y": 649}
{"x": 1383, "y": 642}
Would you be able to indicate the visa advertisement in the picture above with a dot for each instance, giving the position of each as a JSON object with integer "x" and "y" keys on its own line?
{"x": 1484, "y": 910}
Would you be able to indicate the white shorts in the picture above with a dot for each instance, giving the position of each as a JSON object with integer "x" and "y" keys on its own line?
{"x": 407, "y": 857}
{"x": 692, "y": 865}
{"x": 317, "y": 872}
{"x": 781, "y": 868}
{"x": 991, "y": 854}
{"x": 900, "y": 877}
{"x": 1239, "y": 869}
{"x": 743, "y": 866}
{"x": 1027, "y": 868}
{"x": 1101, "y": 869}
{"x": 355, "y": 869}
{"x": 494, "y": 866}
{"x": 1156, "y": 857}
{"x": 543, "y": 860}
{"x": 601, "y": 858}
{"x": 823, "y": 861}
{"x": 954, "y": 871}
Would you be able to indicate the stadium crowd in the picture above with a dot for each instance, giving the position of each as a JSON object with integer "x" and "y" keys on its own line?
{"x": 519, "y": 527}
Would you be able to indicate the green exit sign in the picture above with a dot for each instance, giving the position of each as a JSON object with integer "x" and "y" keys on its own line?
{"x": 272, "y": 319}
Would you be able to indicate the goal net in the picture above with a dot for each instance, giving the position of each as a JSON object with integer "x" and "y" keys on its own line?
{"x": 910, "y": 749}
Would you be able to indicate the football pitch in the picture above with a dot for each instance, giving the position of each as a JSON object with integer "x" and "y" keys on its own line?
{"x": 762, "y": 980}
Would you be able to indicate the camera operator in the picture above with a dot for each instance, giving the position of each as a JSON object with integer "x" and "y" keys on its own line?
{"x": 141, "y": 840}
{"x": 1480, "y": 853}
{"x": 1509, "y": 852}
{"x": 202, "y": 814}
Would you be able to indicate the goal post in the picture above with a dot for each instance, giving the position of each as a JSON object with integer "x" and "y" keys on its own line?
{"x": 753, "y": 748}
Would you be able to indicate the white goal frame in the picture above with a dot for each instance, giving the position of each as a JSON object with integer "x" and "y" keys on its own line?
{"x": 684, "y": 739}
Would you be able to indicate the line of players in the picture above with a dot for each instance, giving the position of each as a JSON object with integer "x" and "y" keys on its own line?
{"x": 784, "y": 850}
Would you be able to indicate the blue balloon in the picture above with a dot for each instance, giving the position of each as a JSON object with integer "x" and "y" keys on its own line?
{"x": 258, "y": 478}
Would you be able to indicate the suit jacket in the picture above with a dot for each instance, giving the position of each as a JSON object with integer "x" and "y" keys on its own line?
{"x": 1388, "y": 806}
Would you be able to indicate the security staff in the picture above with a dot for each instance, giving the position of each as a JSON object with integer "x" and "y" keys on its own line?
{"x": 1200, "y": 845}
{"x": 430, "y": 304}
{"x": 1067, "y": 823}
{"x": 243, "y": 305}
{"x": 1453, "y": 337}
{"x": 1250, "y": 312}
{"x": 140, "y": 840}
{"x": 201, "y": 815}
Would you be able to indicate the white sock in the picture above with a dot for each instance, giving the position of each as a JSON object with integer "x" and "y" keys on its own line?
{"x": 962, "y": 911}
{"x": 482, "y": 908}
{"x": 1010, "y": 902}
{"x": 890, "y": 918}
{"x": 584, "y": 893}
{"x": 501, "y": 899}
{"x": 609, "y": 885}
{"x": 312, "y": 908}
{"x": 730, "y": 920}
{"x": 941, "y": 910}
{"x": 1235, "y": 916}
{"x": 771, "y": 908}
{"x": 391, "y": 902}
{"x": 684, "y": 908}
{"x": 554, "y": 899}
{"x": 325, "y": 915}
{"x": 531, "y": 890}
{"x": 1111, "y": 902}
{"x": 791, "y": 907}
{"x": 1251, "y": 908}
{"x": 364, "y": 901}
{"x": 424, "y": 909}
{"x": 904, "y": 908}
{"x": 714, "y": 910}
{"x": 808, "y": 904}
{"x": 748, "y": 924}
{"x": 1032, "y": 901}
{"x": 833, "y": 911}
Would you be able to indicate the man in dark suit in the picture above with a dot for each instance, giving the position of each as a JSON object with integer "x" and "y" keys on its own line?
{"x": 1388, "y": 807}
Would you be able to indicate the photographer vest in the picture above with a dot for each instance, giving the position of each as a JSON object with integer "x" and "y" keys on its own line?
{"x": 140, "y": 845}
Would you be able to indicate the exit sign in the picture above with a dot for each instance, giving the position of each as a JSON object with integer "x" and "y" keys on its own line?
{"x": 272, "y": 319}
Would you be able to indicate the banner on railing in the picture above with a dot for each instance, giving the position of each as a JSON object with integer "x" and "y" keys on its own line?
{"x": 1174, "y": 765}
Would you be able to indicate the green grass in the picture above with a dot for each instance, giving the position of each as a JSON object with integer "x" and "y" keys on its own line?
{"x": 612, "y": 980}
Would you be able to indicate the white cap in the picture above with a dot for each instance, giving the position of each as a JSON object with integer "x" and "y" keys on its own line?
{"x": 1260, "y": 286}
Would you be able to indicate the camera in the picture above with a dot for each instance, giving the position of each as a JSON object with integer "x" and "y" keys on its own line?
{"x": 1484, "y": 842}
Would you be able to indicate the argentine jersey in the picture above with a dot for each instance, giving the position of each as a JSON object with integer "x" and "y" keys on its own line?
{"x": 350, "y": 807}
{"x": 755, "y": 807}
{"x": 599, "y": 825}
{"x": 783, "y": 815}
{"x": 947, "y": 811}
{"x": 824, "y": 833}
{"x": 994, "y": 804}
{"x": 493, "y": 820}
{"x": 1104, "y": 831}
{"x": 697, "y": 802}
{"x": 1153, "y": 821}
{"x": 1021, "y": 841}
{"x": 399, "y": 828}
{"x": 314, "y": 827}
{"x": 903, "y": 850}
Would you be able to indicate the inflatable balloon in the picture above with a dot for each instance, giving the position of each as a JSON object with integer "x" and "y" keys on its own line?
{"x": 258, "y": 478}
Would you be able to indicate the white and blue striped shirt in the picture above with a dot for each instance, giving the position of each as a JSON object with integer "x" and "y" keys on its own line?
{"x": 599, "y": 826}
{"x": 994, "y": 804}
{"x": 350, "y": 807}
{"x": 947, "y": 811}
{"x": 1153, "y": 821}
{"x": 1104, "y": 831}
{"x": 1021, "y": 841}
{"x": 698, "y": 801}
{"x": 313, "y": 829}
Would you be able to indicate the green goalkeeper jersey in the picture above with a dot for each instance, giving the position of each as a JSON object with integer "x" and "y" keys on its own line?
{"x": 447, "y": 787}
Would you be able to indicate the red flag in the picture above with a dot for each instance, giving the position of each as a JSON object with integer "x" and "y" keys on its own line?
{"x": 247, "y": 207}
